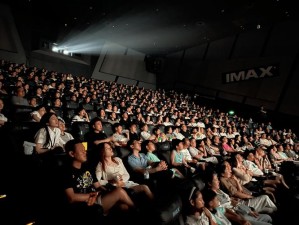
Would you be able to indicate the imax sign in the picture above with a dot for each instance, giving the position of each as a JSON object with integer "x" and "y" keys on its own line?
{"x": 250, "y": 74}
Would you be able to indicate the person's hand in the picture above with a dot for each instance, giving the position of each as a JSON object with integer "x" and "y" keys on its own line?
{"x": 92, "y": 198}
{"x": 207, "y": 212}
{"x": 253, "y": 214}
{"x": 234, "y": 202}
{"x": 120, "y": 183}
{"x": 162, "y": 166}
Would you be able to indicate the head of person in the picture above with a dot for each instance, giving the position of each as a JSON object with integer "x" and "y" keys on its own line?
{"x": 76, "y": 150}
{"x": 134, "y": 144}
{"x": 49, "y": 119}
{"x": 177, "y": 144}
{"x": 196, "y": 202}
{"x": 148, "y": 146}
{"x": 117, "y": 128}
{"x": 211, "y": 180}
{"x": 210, "y": 199}
{"x": 61, "y": 124}
{"x": 224, "y": 169}
{"x": 96, "y": 124}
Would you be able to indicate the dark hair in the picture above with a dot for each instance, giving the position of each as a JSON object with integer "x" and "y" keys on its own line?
{"x": 94, "y": 120}
{"x": 208, "y": 195}
{"x": 175, "y": 142}
{"x": 70, "y": 145}
{"x": 114, "y": 126}
{"x": 101, "y": 148}
{"x": 43, "y": 124}
{"x": 45, "y": 118}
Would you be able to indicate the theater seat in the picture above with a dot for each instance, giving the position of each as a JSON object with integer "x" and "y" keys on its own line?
{"x": 79, "y": 130}
{"x": 168, "y": 210}
{"x": 164, "y": 151}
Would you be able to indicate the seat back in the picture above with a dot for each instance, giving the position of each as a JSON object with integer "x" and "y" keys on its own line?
{"x": 168, "y": 211}
{"x": 79, "y": 130}
{"x": 107, "y": 128}
{"x": 164, "y": 151}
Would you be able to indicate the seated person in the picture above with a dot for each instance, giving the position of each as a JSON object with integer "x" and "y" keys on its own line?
{"x": 197, "y": 213}
{"x": 250, "y": 163}
{"x": 245, "y": 177}
{"x": 144, "y": 169}
{"x": 3, "y": 118}
{"x": 81, "y": 185}
{"x": 96, "y": 135}
{"x": 199, "y": 152}
{"x": 80, "y": 115}
{"x": 178, "y": 160}
{"x": 230, "y": 184}
{"x": 111, "y": 169}
{"x": 48, "y": 137}
{"x": 38, "y": 112}
{"x": 150, "y": 147}
{"x": 212, "y": 183}
{"x": 65, "y": 136}
{"x": 145, "y": 135}
{"x": 120, "y": 136}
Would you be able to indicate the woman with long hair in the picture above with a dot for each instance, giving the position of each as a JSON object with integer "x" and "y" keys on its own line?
{"x": 111, "y": 170}
{"x": 48, "y": 136}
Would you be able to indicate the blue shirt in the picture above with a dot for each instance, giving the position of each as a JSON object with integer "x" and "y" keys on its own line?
{"x": 138, "y": 162}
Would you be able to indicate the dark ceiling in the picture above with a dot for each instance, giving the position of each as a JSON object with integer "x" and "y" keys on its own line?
{"x": 152, "y": 27}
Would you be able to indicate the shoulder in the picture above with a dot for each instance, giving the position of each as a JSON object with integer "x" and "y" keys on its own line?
{"x": 118, "y": 159}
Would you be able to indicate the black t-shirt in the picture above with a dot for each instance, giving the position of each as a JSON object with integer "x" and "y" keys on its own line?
{"x": 186, "y": 134}
{"x": 81, "y": 180}
{"x": 91, "y": 137}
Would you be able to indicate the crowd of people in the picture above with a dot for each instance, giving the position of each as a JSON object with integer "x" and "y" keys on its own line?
{"x": 238, "y": 159}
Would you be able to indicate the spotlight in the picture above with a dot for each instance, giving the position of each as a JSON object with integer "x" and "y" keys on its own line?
{"x": 54, "y": 49}
{"x": 65, "y": 52}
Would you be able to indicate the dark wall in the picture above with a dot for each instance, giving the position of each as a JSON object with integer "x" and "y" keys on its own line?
{"x": 200, "y": 68}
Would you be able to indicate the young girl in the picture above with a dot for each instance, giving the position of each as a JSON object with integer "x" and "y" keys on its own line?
{"x": 198, "y": 214}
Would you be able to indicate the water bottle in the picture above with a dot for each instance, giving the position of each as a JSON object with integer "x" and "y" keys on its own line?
{"x": 146, "y": 173}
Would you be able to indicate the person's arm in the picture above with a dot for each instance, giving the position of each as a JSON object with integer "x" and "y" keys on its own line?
{"x": 125, "y": 175}
{"x": 210, "y": 217}
{"x": 40, "y": 149}
{"x": 78, "y": 197}
{"x": 99, "y": 174}
{"x": 234, "y": 217}
{"x": 35, "y": 117}
{"x": 108, "y": 139}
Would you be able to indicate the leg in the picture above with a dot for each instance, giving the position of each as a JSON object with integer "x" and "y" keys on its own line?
{"x": 145, "y": 189}
{"x": 117, "y": 196}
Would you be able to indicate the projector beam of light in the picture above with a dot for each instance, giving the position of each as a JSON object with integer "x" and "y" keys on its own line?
{"x": 135, "y": 30}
